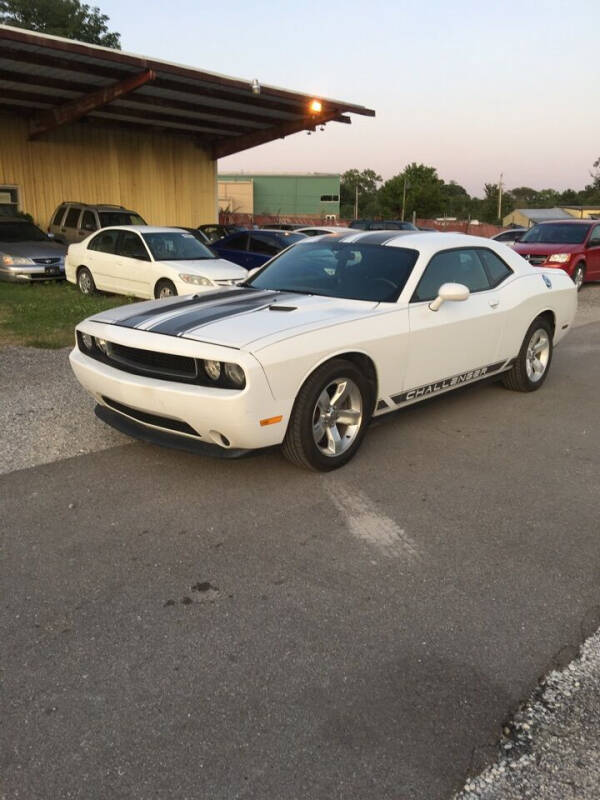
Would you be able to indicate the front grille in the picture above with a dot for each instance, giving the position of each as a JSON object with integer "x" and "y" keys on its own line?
{"x": 160, "y": 364}
{"x": 229, "y": 282}
{"x": 151, "y": 419}
{"x": 47, "y": 261}
{"x": 152, "y": 364}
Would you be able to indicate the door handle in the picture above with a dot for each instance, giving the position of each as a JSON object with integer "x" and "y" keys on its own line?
{"x": 494, "y": 303}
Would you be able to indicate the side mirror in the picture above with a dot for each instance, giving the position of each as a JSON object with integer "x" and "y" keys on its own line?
{"x": 449, "y": 291}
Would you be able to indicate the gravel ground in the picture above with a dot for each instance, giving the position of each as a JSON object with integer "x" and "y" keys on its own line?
{"x": 45, "y": 415}
{"x": 550, "y": 750}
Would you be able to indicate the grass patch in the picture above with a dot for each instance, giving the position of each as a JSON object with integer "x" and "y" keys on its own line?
{"x": 45, "y": 314}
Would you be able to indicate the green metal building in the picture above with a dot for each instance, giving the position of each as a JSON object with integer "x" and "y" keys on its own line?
{"x": 313, "y": 194}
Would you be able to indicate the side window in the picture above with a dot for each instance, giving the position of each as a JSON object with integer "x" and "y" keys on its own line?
{"x": 72, "y": 217}
{"x": 239, "y": 242}
{"x": 452, "y": 266}
{"x": 505, "y": 237}
{"x": 131, "y": 246}
{"x": 88, "y": 221}
{"x": 594, "y": 239}
{"x": 496, "y": 269}
{"x": 259, "y": 243}
{"x": 211, "y": 232}
{"x": 59, "y": 215}
{"x": 104, "y": 242}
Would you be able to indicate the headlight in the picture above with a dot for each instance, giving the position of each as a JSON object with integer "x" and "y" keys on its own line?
{"x": 236, "y": 375}
{"x": 87, "y": 341}
{"x": 102, "y": 345}
{"x": 14, "y": 261}
{"x": 199, "y": 280}
{"x": 224, "y": 374}
{"x": 559, "y": 258}
{"x": 213, "y": 369}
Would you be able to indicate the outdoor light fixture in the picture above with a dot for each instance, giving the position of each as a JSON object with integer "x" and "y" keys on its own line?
{"x": 316, "y": 106}
{"x": 255, "y": 87}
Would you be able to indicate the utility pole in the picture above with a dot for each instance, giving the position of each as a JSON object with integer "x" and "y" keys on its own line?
{"x": 404, "y": 199}
{"x": 500, "y": 198}
{"x": 356, "y": 200}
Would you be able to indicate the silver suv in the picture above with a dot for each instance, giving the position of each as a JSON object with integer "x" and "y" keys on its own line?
{"x": 72, "y": 222}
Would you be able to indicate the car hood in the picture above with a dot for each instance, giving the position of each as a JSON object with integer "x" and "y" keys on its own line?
{"x": 539, "y": 248}
{"x": 237, "y": 317}
{"x": 218, "y": 268}
{"x": 33, "y": 249}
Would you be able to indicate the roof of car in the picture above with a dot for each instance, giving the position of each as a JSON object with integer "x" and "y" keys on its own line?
{"x": 422, "y": 240}
{"x": 99, "y": 206}
{"x": 145, "y": 228}
{"x": 570, "y": 221}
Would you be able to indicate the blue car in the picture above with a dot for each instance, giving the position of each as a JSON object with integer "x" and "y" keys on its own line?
{"x": 252, "y": 249}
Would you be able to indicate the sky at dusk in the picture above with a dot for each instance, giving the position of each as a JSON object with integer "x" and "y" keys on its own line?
{"x": 472, "y": 88}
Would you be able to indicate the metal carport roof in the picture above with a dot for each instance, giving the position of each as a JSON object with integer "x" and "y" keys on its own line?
{"x": 55, "y": 81}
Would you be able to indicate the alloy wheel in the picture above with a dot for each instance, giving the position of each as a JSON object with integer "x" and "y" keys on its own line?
{"x": 337, "y": 417}
{"x": 538, "y": 355}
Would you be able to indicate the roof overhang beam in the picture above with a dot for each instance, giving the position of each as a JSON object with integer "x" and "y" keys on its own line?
{"x": 75, "y": 109}
{"x": 238, "y": 143}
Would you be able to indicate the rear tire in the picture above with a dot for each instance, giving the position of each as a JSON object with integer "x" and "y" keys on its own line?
{"x": 165, "y": 288}
{"x": 533, "y": 362}
{"x": 329, "y": 418}
{"x": 85, "y": 281}
{"x": 579, "y": 275}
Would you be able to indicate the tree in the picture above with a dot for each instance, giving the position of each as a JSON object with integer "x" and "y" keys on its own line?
{"x": 417, "y": 188}
{"x": 367, "y": 181}
{"x": 456, "y": 199}
{"x": 69, "y": 18}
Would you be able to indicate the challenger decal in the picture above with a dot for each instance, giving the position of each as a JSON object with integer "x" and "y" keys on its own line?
{"x": 447, "y": 383}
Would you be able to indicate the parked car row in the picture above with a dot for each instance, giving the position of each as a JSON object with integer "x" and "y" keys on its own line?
{"x": 112, "y": 249}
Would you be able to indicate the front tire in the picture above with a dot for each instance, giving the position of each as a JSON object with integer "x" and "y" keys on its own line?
{"x": 533, "y": 362}
{"x": 579, "y": 275}
{"x": 85, "y": 281}
{"x": 165, "y": 288}
{"x": 329, "y": 418}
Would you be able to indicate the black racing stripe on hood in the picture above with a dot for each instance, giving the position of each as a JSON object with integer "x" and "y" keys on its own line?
{"x": 189, "y": 300}
{"x": 187, "y": 321}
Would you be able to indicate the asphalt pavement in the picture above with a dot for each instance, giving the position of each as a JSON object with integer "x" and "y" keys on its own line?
{"x": 175, "y": 626}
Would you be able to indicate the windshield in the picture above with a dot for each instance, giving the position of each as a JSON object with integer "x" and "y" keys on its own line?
{"x": 176, "y": 246}
{"x": 556, "y": 233}
{"x": 21, "y": 232}
{"x": 336, "y": 269}
{"x": 109, "y": 219}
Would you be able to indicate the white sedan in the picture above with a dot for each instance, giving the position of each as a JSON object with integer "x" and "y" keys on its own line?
{"x": 327, "y": 335}
{"x": 143, "y": 261}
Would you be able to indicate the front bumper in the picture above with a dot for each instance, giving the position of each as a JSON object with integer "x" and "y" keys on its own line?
{"x": 29, "y": 274}
{"x": 227, "y": 418}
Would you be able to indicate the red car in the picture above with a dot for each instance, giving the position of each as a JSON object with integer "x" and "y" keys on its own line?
{"x": 572, "y": 245}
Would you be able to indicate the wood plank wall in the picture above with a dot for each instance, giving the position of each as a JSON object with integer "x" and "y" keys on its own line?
{"x": 164, "y": 177}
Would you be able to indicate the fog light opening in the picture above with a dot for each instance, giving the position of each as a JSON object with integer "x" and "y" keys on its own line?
{"x": 220, "y": 439}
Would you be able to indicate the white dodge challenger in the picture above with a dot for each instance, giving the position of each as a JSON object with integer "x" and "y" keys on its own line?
{"x": 328, "y": 334}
